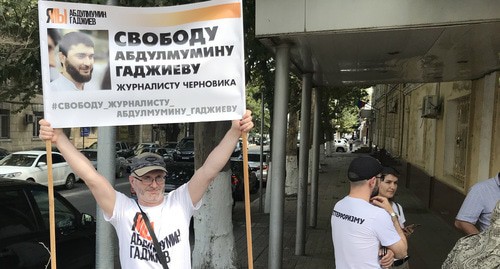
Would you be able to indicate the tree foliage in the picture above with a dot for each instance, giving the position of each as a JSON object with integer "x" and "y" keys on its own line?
{"x": 339, "y": 111}
{"x": 19, "y": 51}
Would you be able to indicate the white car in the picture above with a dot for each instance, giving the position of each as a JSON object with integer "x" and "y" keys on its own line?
{"x": 32, "y": 166}
{"x": 341, "y": 145}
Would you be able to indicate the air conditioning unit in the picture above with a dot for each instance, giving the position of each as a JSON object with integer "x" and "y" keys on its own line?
{"x": 430, "y": 107}
{"x": 29, "y": 118}
{"x": 366, "y": 113}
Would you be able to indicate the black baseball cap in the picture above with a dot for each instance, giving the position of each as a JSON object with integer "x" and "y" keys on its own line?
{"x": 363, "y": 168}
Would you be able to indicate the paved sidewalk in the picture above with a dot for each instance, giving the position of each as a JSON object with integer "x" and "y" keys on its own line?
{"x": 429, "y": 245}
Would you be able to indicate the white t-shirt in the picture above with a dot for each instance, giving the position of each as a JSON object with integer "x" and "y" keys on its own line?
{"x": 170, "y": 222}
{"x": 63, "y": 84}
{"x": 358, "y": 230}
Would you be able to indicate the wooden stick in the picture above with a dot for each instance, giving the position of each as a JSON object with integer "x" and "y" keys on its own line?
{"x": 247, "y": 200}
{"x": 52, "y": 218}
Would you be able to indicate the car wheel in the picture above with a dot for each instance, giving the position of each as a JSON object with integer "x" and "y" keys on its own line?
{"x": 30, "y": 180}
{"x": 70, "y": 182}
{"x": 340, "y": 150}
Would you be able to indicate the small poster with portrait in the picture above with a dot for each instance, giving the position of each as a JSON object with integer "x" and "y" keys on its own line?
{"x": 108, "y": 65}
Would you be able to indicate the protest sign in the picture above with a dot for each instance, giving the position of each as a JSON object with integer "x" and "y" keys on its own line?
{"x": 108, "y": 65}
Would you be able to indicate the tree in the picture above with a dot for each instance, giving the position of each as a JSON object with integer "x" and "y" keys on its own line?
{"x": 214, "y": 239}
{"x": 292, "y": 164}
{"x": 19, "y": 51}
{"x": 338, "y": 109}
{"x": 255, "y": 106}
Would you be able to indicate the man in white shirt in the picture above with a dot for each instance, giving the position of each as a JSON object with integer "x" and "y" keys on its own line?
{"x": 168, "y": 215}
{"x": 363, "y": 223}
{"x": 475, "y": 214}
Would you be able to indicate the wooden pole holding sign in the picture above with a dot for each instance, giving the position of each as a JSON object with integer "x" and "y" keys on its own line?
{"x": 247, "y": 200}
{"x": 52, "y": 219}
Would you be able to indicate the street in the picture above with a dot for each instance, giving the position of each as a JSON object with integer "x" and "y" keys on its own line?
{"x": 82, "y": 199}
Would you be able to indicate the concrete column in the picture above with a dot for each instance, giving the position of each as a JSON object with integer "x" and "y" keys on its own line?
{"x": 105, "y": 235}
{"x": 486, "y": 129}
{"x": 305, "y": 116}
{"x": 106, "y": 158}
{"x": 315, "y": 160}
{"x": 281, "y": 96}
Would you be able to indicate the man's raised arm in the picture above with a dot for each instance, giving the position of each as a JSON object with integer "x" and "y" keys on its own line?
{"x": 218, "y": 157}
{"x": 100, "y": 187}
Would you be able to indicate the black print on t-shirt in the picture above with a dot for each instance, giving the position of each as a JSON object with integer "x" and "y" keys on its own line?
{"x": 141, "y": 244}
{"x": 142, "y": 249}
{"x": 348, "y": 217}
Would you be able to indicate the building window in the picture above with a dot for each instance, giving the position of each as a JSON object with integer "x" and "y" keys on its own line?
{"x": 37, "y": 115}
{"x": 4, "y": 123}
{"x": 457, "y": 139}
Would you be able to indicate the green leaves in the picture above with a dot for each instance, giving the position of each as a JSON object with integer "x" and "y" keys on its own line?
{"x": 20, "y": 78}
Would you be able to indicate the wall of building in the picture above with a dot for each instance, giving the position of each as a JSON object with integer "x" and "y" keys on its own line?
{"x": 21, "y": 133}
{"x": 442, "y": 155}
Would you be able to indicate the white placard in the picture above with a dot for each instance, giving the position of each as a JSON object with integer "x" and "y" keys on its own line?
{"x": 149, "y": 65}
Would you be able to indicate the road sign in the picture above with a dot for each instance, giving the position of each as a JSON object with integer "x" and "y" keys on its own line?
{"x": 84, "y": 131}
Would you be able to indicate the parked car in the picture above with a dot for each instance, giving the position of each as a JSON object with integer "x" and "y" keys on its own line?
{"x": 184, "y": 150}
{"x": 25, "y": 234}
{"x": 122, "y": 149}
{"x": 121, "y": 164}
{"x": 32, "y": 166}
{"x": 54, "y": 149}
{"x": 254, "y": 163}
{"x": 178, "y": 173}
{"x": 3, "y": 153}
{"x": 237, "y": 180}
{"x": 137, "y": 148}
{"x": 341, "y": 145}
{"x": 170, "y": 149}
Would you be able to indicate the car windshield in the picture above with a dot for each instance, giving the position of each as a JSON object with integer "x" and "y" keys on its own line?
{"x": 254, "y": 157}
{"x": 19, "y": 160}
{"x": 171, "y": 145}
{"x": 188, "y": 145}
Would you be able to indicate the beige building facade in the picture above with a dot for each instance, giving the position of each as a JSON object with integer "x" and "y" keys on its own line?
{"x": 445, "y": 136}
{"x": 19, "y": 128}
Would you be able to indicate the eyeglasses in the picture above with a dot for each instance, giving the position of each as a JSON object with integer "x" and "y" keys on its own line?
{"x": 149, "y": 180}
{"x": 381, "y": 177}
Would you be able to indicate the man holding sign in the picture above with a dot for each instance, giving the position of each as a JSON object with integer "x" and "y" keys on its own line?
{"x": 169, "y": 215}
